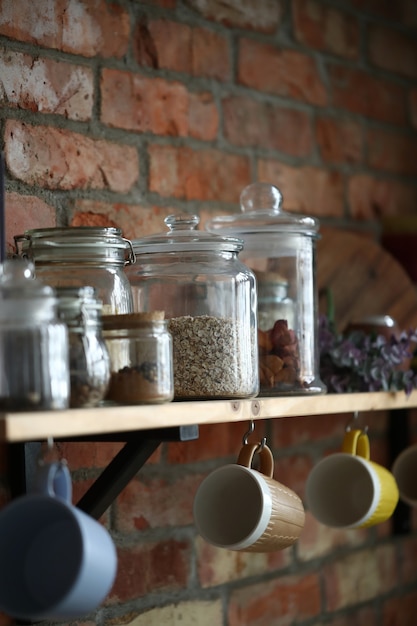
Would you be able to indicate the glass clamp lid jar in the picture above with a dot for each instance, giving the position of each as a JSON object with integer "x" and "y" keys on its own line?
{"x": 82, "y": 256}
{"x": 280, "y": 248}
{"x": 34, "y": 373}
{"x": 89, "y": 361}
{"x": 209, "y": 298}
{"x": 140, "y": 348}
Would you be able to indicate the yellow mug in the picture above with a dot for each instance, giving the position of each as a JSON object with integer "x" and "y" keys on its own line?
{"x": 348, "y": 490}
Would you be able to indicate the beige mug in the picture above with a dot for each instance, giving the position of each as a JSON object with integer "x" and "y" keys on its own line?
{"x": 237, "y": 507}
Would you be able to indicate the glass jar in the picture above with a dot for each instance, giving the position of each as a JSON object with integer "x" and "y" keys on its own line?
{"x": 34, "y": 373}
{"x": 140, "y": 349}
{"x": 89, "y": 360}
{"x": 82, "y": 256}
{"x": 280, "y": 248}
{"x": 209, "y": 298}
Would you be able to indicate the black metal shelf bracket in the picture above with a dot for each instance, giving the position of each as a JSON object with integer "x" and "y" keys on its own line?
{"x": 139, "y": 446}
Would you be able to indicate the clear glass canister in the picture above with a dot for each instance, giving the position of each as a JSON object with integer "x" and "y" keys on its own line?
{"x": 280, "y": 248}
{"x": 140, "y": 348}
{"x": 82, "y": 256}
{"x": 34, "y": 373}
{"x": 89, "y": 360}
{"x": 209, "y": 297}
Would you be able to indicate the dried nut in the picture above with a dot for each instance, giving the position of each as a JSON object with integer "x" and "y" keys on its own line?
{"x": 265, "y": 344}
{"x": 266, "y": 376}
{"x": 273, "y": 362}
{"x": 287, "y": 375}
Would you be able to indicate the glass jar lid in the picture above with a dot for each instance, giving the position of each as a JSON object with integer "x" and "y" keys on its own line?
{"x": 79, "y": 305}
{"x": 261, "y": 211}
{"x": 183, "y": 236}
{"x": 22, "y": 296}
{"x": 76, "y": 243}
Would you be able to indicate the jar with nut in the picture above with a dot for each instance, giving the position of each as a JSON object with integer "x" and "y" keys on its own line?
{"x": 89, "y": 361}
{"x": 140, "y": 349}
{"x": 279, "y": 246}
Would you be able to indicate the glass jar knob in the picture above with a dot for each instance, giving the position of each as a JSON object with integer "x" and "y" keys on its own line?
{"x": 261, "y": 197}
{"x": 182, "y": 222}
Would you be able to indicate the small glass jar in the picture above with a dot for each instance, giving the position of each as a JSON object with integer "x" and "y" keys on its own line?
{"x": 89, "y": 360}
{"x": 140, "y": 349}
{"x": 82, "y": 256}
{"x": 280, "y": 248}
{"x": 209, "y": 298}
{"x": 34, "y": 373}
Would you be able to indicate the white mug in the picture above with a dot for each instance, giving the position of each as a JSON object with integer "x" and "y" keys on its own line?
{"x": 405, "y": 472}
{"x": 56, "y": 561}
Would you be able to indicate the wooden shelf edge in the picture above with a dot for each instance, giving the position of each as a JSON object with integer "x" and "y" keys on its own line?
{"x": 38, "y": 426}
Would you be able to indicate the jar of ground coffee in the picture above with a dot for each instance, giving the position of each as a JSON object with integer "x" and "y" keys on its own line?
{"x": 140, "y": 349}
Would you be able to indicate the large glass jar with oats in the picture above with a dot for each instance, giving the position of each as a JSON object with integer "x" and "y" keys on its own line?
{"x": 209, "y": 299}
{"x": 82, "y": 256}
{"x": 279, "y": 247}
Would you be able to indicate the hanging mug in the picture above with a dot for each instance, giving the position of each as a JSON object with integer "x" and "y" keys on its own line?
{"x": 57, "y": 562}
{"x": 348, "y": 490}
{"x": 240, "y": 508}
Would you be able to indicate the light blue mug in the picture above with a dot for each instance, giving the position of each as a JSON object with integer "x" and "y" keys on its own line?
{"x": 56, "y": 562}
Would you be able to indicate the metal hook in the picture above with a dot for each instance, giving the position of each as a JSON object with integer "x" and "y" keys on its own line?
{"x": 248, "y": 433}
{"x": 353, "y": 423}
{"x": 251, "y": 429}
{"x": 44, "y": 453}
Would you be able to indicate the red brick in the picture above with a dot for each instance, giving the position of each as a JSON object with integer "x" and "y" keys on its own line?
{"x": 373, "y": 198}
{"x": 152, "y": 567}
{"x": 400, "y": 610}
{"x": 318, "y": 540}
{"x": 197, "y": 174}
{"x": 292, "y": 432}
{"x": 203, "y": 116}
{"x": 176, "y": 46}
{"x": 163, "y": 44}
{"x": 135, "y": 102}
{"x": 308, "y": 190}
{"x": 359, "y": 92}
{"x": 156, "y": 503}
{"x": 407, "y": 560}
{"x": 88, "y": 455}
{"x": 23, "y": 213}
{"x": 366, "y": 616}
{"x": 286, "y": 599}
{"x": 413, "y": 107}
{"x": 216, "y": 566}
{"x": 360, "y": 576}
{"x": 287, "y": 73}
{"x": 393, "y": 50}
{"x": 85, "y": 27}
{"x": 390, "y": 10}
{"x": 135, "y": 221}
{"x": 46, "y": 86}
{"x": 59, "y": 159}
{"x": 339, "y": 141}
{"x": 215, "y": 441}
{"x": 326, "y": 28}
{"x": 248, "y": 122}
{"x": 293, "y": 470}
{"x": 392, "y": 152}
{"x": 260, "y": 15}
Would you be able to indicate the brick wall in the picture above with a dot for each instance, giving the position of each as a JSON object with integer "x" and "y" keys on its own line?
{"x": 119, "y": 113}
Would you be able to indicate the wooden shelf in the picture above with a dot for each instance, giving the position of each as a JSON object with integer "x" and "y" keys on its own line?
{"x": 38, "y": 426}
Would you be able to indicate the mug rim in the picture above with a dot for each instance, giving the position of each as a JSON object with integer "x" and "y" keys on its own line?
{"x": 412, "y": 449}
{"x": 263, "y": 517}
{"x": 377, "y": 489}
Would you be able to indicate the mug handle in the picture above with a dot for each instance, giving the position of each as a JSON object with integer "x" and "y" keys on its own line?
{"x": 266, "y": 465}
{"x": 54, "y": 480}
{"x": 356, "y": 442}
